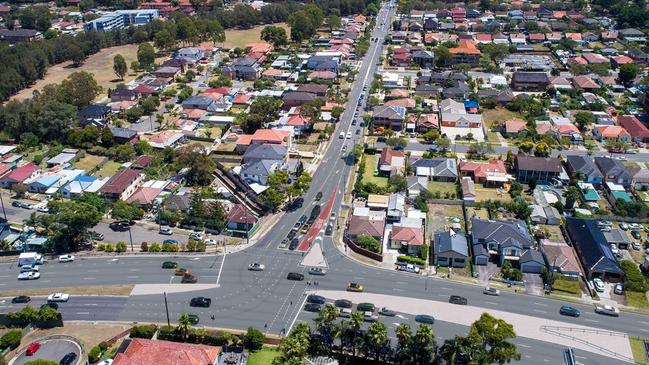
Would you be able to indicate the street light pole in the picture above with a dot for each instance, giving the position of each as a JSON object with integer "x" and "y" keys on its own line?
{"x": 130, "y": 237}
{"x": 167, "y": 309}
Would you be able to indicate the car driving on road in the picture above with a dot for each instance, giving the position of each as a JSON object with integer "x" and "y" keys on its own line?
{"x": 491, "y": 291}
{"x": 567, "y": 310}
{"x": 58, "y": 297}
{"x": 200, "y": 302}
{"x": 607, "y": 310}
{"x": 68, "y": 359}
{"x": 355, "y": 287}
{"x": 189, "y": 279}
{"x": 66, "y": 258}
{"x": 317, "y": 271}
{"x": 424, "y": 318}
{"x": 169, "y": 265}
{"x": 456, "y": 299}
{"x": 295, "y": 276}
{"x": 255, "y": 266}
{"x": 29, "y": 275}
{"x": 32, "y": 348}
{"x": 21, "y": 299}
{"x": 182, "y": 271}
{"x": 165, "y": 230}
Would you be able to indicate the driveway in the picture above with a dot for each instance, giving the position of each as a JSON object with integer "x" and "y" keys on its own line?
{"x": 487, "y": 271}
{"x": 53, "y": 350}
{"x": 533, "y": 284}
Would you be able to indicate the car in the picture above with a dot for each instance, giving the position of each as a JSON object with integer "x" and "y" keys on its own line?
{"x": 318, "y": 196}
{"x": 29, "y": 268}
{"x": 329, "y": 230}
{"x": 317, "y": 271}
{"x": 355, "y": 287}
{"x": 21, "y": 299}
{"x": 182, "y": 271}
{"x": 200, "y": 302}
{"x": 636, "y": 226}
{"x": 624, "y": 226}
{"x": 312, "y": 307}
{"x": 408, "y": 268}
{"x": 354, "y": 122}
{"x": 196, "y": 236}
{"x": 58, "y": 297}
{"x": 349, "y": 135}
{"x": 295, "y": 276}
{"x": 119, "y": 226}
{"x": 16, "y": 204}
{"x": 29, "y": 275}
{"x": 189, "y": 279}
{"x": 68, "y": 359}
{"x": 598, "y": 284}
{"x": 456, "y": 299}
{"x": 343, "y": 303}
{"x": 344, "y": 312}
{"x": 302, "y": 219}
{"x": 635, "y": 234}
{"x": 193, "y": 319}
{"x": 96, "y": 236}
{"x": 293, "y": 244}
{"x": 365, "y": 307}
{"x": 567, "y": 310}
{"x": 387, "y": 312}
{"x": 165, "y": 230}
{"x": 66, "y": 258}
{"x": 491, "y": 291}
{"x": 42, "y": 209}
{"x": 255, "y": 266}
{"x": 50, "y": 305}
{"x": 313, "y": 298}
{"x": 607, "y": 310}
{"x": 32, "y": 348}
{"x": 169, "y": 265}
{"x": 171, "y": 242}
{"x": 209, "y": 242}
{"x": 105, "y": 362}
{"x": 618, "y": 289}
{"x": 424, "y": 318}
{"x": 370, "y": 317}
{"x": 636, "y": 245}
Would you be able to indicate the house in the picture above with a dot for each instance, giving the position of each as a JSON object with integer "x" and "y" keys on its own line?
{"x": 396, "y": 207}
{"x": 19, "y": 35}
{"x": 450, "y": 249}
{"x": 297, "y": 98}
{"x": 618, "y": 237}
{"x": 415, "y": 185}
{"x": 317, "y": 89}
{"x": 451, "y": 106}
{"x": 167, "y": 72}
{"x": 143, "y": 351}
{"x": 124, "y": 135}
{"x": 364, "y": 226}
{"x": 505, "y": 239}
{"x": 585, "y": 83}
{"x": 42, "y": 183}
{"x": 124, "y": 95}
{"x": 543, "y": 169}
{"x": 436, "y": 169}
{"x": 407, "y": 238}
{"x": 605, "y": 133}
{"x": 122, "y": 185}
{"x": 191, "y": 54}
{"x": 425, "y": 59}
{"x": 82, "y": 184}
{"x": 259, "y": 171}
{"x": 141, "y": 162}
{"x": 378, "y": 201}
{"x": 263, "y": 136}
{"x": 593, "y": 250}
{"x": 240, "y": 219}
{"x": 501, "y": 96}
{"x": 614, "y": 171}
{"x": 631, "y": 35}
{"x": 640, "y": 179}
{"x": 61, "y": 159}
{"x": 468, "y": 189}
{"x": 391, "y": 162}
{"x": 514, "y": 127}
{"x": 561, "y": 258}
{"x": 465, "y": 53}
{"x": 245, "y": 72}
{"x": 636, "y": 129}
{"x": 530, "y": 81}
{"x": 595, "y": 58}
{"x": 166, "y": 138}
{"x": 585, "y": 168}
{"x": 19, "y": 175}
{"x": 178, "y": 202}
{"x": 492, "y": 173}
{"x": 545, "y": 215}
{"x": 638, "y": 56}
{"x": 265, "y": 151}
{"x": 468, "y": 121}
{"x": 389, "y": 116}
{"x": 532, "y": 261}
{"x": 95, "y": 112}
{"x": 323, "y": 63}
{"x": 426, "y": 122}
{"x": 144, "y": 196}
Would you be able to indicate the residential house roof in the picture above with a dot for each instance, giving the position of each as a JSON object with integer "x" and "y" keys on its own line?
{"x": 561, "y": 256}
{"x": 613, "y": 167}
{"x": 389, "y": 112}
{"x": 515, "y": 125}
{"x": 533, "y": 163}
{"x": 144, "y": 195}
{"x": 502, "y": 232}
{"x": 359, "y": 226}
{"x": 21, "y": 173}
{"x": 411, "y": 236}
{"x": 146, "y": 352}
{"x": 585, "y": 82}
{"x": 313, "y": 88}
{"x": 465, "y": 47}
{"x": 590, "y": 242}
{"x": 611, "y": 131}
{"x": 120, "y": 181}
{"x": 265, "y": 151}
{"x": 123, "y": 133}
{"x": 595, "y": 58}
{"x": 440, "y": 167}
{"x": 405, "y": 102}
{"x": 634, "y": 126}
{"x": 532, "y": 256}
{"x": 534, "y": 77}
{"x": 450, "y": 242}
{"x": 483, "y": 169}
{"x": 178, "y": 202}
{"x": 240, "y": 214}
{"x": 584, "y": 165}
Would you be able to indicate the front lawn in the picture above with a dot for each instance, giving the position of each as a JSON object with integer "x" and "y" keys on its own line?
{"x": 88, "y": 163}
{"x": 444, "y": 188}
{"x": 638, "y": 350}
{"x": 263, "y": 357}
{"x": 371, "y": 162}
{"x": 567, "y": 286}
{"x": 637, "y": 300}
{"x": 109, "y": 169}
{"x": 497, "y": 115}
{"x": 484, "y": 194}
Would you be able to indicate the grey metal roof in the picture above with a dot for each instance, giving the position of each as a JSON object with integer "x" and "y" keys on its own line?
{"x": 502, "y": 232}
{"x": 584, "y": 165}
{"x": 447, "y": 242}
{"x": 591, "y": 245}
{"x": 265, "y": 151}
{"x": 532, "y": 256}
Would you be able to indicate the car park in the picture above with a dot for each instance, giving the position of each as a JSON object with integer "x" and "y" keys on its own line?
{"x": 607, "y": 310}
{"x": 635, "y": 234}
{"x": 317, "y": 271}
{"x": 169, "y": 265}
{"x": 355, "y": 287}
{"x": 193, "y": 319}
{"x": 424, "y": 318}
{"x": 200, "y": 302}
{"x": 312, "y": 307}
{"x": 295, "y": 276}
{"x": 344, "y": 312}
{"x": 636, "y": 226}
{"x": 29, "y": 275}
{"x": 165, "y": 230}
{"x": 456, "y": 299}
{"x": 196, "y": 236}
{"x": 365, "y": 307}
{"x": 68, "y": 359}
{"x": 618, "y": 289}
{"x": 387, "y": 312}
{"x": 32, "y": 348}
{"x": 567, "y": 310}
{"x": 189, "y": 279}
{"x": 343, "y": 303}
{"x": 491, "y": 291}
{"x": 66, "y": 258}
{"x": 313, "y": 298}
{"x": 255, "y": 266}
{"x": 21, "y": 299}
{"x": 598, "y": 284}
{"x": 58, "y": 297}
{"x": 181, "y": 271}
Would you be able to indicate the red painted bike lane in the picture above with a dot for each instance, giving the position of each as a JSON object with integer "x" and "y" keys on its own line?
{"x": 317, "y": 225}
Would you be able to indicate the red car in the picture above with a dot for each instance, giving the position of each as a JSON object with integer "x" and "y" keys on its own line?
{"x": 31, "y": 349}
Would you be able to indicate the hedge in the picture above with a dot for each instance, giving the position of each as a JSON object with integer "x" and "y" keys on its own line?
{"x": 144, "y": 331}
{"x": 169, "y": 333}
{"x": 10, "y": 339}
{"x": 411, "y": 260}
{"x": 634, "y": 280}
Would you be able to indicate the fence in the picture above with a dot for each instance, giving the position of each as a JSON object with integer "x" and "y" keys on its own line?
{"x": 361, "y": 251}
{"x": 557, "y": 332}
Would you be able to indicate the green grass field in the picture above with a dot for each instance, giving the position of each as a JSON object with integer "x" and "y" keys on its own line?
{"x": 89, "y": 162}
{"x": 498, "y": 115}
{"x": 484, "y": 194}
{"x": 240, "y": 37}
{"x": 368, "y": 174}
{"x": 264, "y": 356}
{"x": 109, "y": 169}
{"x": 442, "y": 187}
{"x": 567, "y": 286}
{"x": 637, "y": 300}
{"x": 637, "y": 348}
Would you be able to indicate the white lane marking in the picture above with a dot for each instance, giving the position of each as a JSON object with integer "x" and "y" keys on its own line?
{"x": 397, "y": 289}
{"x": 296, "y": 315}
{"x": 540, "y": 311}
{"x": 225, "y": 253}
{"x": 492, "y": 303}
{"x": 90, "y": 278}
{"x": 91, "y": 304}
{"x": 402, "y": 316}
{"x": 541, "y": 304}
{"x": 591, "y": 320}
{"x": 525, "y": 346}
{"x": 402, "y": 283}
{"x": 83, "y": 312}
{"x": 133, "y": 277}
{"x": 445, "y": 288}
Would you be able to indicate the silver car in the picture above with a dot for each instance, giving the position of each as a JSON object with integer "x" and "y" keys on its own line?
{"x": 491, "y": 291}
{"x": 256, "y": 267}
{"x": 317, "y": 271}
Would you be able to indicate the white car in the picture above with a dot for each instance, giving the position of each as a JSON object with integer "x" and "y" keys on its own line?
{"x": 614, "y": 249}
{"x": 598, "y": 284}
{"x": 608, "y": 310}
{"x": 624, "y": 226}
{"x": 30, "y": 275}
{"x": 29, "y": 268}
{"x": 636, "y": 226}
{"x": 408, "y": 268}
{"x": 491, "y": 291}
{"x": 105, "y": 362}
{"x": 165, "y": 230}
{"x": 43, "y": 209}
{"x": 349, "y": 135}
{"x": 256, "y": 267}
{"x": 58, "y": 297}
{"x": 210, "y": 242}
{"x": 197, "y": 236}
{"x": 66, "y": 258}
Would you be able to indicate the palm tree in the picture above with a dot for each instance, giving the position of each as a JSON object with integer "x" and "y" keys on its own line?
{"x": 326, "y": 325}
{"x": 355, "y": 322}
{"x": 404, "y": 338}
{"x": 424, "y": 347}
{"x": 571, "y": 194}
{"x": 452, "y": 349}
{"x": 184, "y": 325}
{"x": 376, "y": 340}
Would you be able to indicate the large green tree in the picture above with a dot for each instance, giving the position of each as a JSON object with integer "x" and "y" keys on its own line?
{"x": 489, "y": 340}
{"x": 68, "y": 228}
{"x": 294, "y": 348}
{"x": 274, "y": 35}
{"x": 119, "y": 66}
{"x": 145, "y": 55}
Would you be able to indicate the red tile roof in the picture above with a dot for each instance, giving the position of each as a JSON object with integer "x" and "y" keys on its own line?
{"x": 585, "y": 82}
{"x": 120, "y": 181}
{"x": 412, "y": 236}
{"x": 155, "y": 352}
{"x": 634, "y": 126}
{"x": 239, "y": 214}
{"x": 387, "y": 154}
{"x": 465, "y": 47}
{"x": 482, "y": 169}
{"x": 241, "y": 99}
{"x": 21, "y": 173}
{"x": 144, "y": 196}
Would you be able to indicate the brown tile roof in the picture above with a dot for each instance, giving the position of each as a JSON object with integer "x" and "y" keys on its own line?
{"x": 412, "y": 236}
{"x": 359, "y": 226}
{"x": 239, "y": 214}
{"x": 465, "y": 47}
{"x": 120, "y": 181}
{"x": 155, "y": 352}
{"x": 634, "y": 126}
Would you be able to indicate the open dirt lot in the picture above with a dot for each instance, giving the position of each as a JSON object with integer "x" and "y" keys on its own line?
{"x": 241, "y": 37}
{"x": 497, "y": 115}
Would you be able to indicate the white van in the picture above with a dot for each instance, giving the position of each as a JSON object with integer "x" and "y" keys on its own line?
{"x": 342, "y": 135}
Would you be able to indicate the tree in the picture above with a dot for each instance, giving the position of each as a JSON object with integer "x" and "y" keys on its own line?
{"x": 107, "y": 138}
{"x": 41, "y": 362}
{"x": 431, "y": 135}
{"x": 295, "y": 346}
{"x": 19, "y": 189}
{"x": 356, "y": 320}
{"x": 274, "y": 35}
{"x": 301, "y": 26}
{"x": 69, "y": 227}
{"x": 163, "y": 40}
{"x": 145, "y": 55}
{"x": 119, "y": 66}
{"x": 263, "y": 110}
{"x": 531, "y": 184}
{"x": 443, "y": 143}
{"x": 126, "y": 211}
{"x": 398, "y": 183}
{"x": 376, "y": 340}
{"x": 396, "y": 142}
{"x": 333, "y": 21}
{"x": 404, "y": 343}
{"x": 488, "y": 341}
{"x": 11, "y": 339}
{"x": 325, "y": 324}
{"x": 628, "y": 73}
{"x": 184, "y": 325}
{"x": 369, "y": 243}
{"x": 253, "y": 339}
{"x": 199, "y": 163}
{"x": 76, "y": 55}
{"x": 454, "y": 350}
{"x": 79, "y": 89}
{"x": 424, "y": 346}
{"x": 572, "y": 194}
{"x": 584, "y": 119}
{"x": 542, "y": 150}
{"x": 443, "y": 56}
{"x": 120, "y": 247}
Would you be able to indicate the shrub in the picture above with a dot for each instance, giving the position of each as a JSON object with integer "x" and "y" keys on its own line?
{"x": 143, "y": 331}
{"x": 23, "y": 317}
{"x": 94, "y": 355}
{"x": 41, "y": 362}
{"x": 411, "y": 260}
{"x": 101, "y": 247}
{"x": 423, "y": 252}
{"x": 144, "y": 247}
{"x": 109, "y": 248}
{"x": 168, "y": 247}
{"x": 369, "y": 243}
{"x": 634, "y": 280}
{"x": 120, "y": 246}
{"x": 253, "y": 339}
{"x": 155, "y": 247}
{"x": 11, "y": 339}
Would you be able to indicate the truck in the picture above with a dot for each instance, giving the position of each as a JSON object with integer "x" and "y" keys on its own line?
{"x": 30, "y": 259}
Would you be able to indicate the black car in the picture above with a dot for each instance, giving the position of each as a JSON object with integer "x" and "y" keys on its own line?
{"x": 295, "y": 276}
{"x": 119, "y": 226}
{"x": 312, "y": 307}
{"x": 343, "y": 303}
{"x": 16, "y": 204}
{"x": 193, "y": 319}
{"x": 635, "y": 234}
{"x": 302, "y": 219}
{"x": 424, "y": 318}
{"x": 318, "y": 196}
{"x": 567, "y": 310}
{"x": 456, "y": 299}
{"x": 291, "y": 234}
{"x": 293, "y": 245}
{"x": 68, "y": 359}
{"x": 169, "y": 265}
{"x": 50, "y": 305}
{"x": 200, "y": 302}
{"x": 189, "y": 279}
{"x": 21, "y": 299}
{"x": 317, "y": 299}
{"x": 329, "y": 230}
{"x": 365, "y": 307}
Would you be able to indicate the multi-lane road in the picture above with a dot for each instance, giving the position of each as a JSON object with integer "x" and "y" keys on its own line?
{"x": 266, "y": 299}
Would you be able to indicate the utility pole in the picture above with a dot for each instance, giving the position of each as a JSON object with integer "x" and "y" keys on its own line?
{"x": 167, "y": 309}
{"x": 130, "y": 237}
